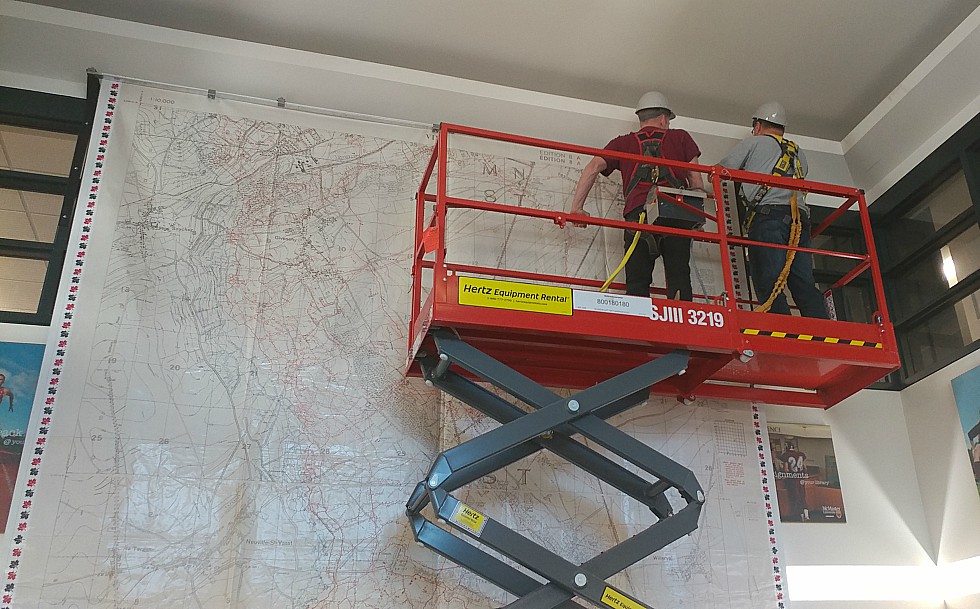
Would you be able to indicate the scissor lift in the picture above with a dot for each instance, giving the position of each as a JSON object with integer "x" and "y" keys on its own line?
{"x": 557, "y": 332}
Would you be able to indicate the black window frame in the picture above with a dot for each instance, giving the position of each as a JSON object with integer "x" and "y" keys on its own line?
{"x": 59, "y": 114}
{"x": 961, "y": 152}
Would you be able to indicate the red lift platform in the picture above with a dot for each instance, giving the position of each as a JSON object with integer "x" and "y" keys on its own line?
{"x": 561, "y": 332}
{"x": 523, "y": 332}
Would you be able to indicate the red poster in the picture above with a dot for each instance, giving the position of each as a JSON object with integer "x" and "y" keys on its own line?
{"x": 807, "y": 483}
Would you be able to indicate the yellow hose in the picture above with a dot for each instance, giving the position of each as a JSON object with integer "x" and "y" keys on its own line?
{"x": 795, "y": 231}
{"x": 629, "y": 252}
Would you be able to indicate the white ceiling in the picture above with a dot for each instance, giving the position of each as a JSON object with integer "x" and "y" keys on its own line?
{"x": 830, "y": 62}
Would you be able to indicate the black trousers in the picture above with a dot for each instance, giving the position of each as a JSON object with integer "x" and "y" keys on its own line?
{"x": 676, "y": 252}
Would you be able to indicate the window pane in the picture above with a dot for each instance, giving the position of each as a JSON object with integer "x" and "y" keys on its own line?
{"x": 29, "y": 216}
{"x": 935, "y": 273}
{"x": 853, "y": 302}
{"x": 925, "y": 219}
{"x": 961, "y": 256}
{"x": 943, "y": 336}
{"x": 20, "y": 284}
{"x": 36, "y": 151}
{"x": 848, "y": 243}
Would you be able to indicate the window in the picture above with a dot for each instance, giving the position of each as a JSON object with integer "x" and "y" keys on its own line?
{"x": 935, "y": 212}
{"x": 29, "y": 215}
{"x": 854, "y": 301}
{"x": 934, "y": 273}
{"x": 36, "y": 151}
{"x": 927, "y": 230}
{"x": 942, "y": 336}
{"x": 43, "y": 138}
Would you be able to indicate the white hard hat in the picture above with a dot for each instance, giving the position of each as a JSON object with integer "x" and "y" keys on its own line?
{"x": 771, "y": 112}
{"x": 654, "y": 99}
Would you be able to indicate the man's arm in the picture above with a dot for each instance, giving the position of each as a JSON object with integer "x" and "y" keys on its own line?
{"x": 694, "y": 178}
{"x": 585, "y": 182}
{"x": 737, "y": 156}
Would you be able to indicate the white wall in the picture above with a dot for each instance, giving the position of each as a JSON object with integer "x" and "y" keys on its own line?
{"x": 885, "y": 521}
{"x": 912, "y": 508}
{"x": 937, "y": 98}
{"x": 21, "y": 333}
{"x": 885, "y": 533}
{"x": 945, "y": 479}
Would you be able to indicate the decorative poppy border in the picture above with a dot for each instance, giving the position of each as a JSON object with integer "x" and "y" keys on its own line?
{"x": 71, "y": 278}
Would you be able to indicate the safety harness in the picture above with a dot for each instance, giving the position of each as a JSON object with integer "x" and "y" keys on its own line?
{"x": 787, "y": 166}
{"x": 650, "y": 143}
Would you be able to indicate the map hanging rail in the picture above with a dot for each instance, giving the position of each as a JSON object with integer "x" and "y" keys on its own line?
{"x": 279, "y": 102}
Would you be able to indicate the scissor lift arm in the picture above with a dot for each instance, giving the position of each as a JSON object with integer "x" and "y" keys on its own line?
{"x": 552, "y": 425}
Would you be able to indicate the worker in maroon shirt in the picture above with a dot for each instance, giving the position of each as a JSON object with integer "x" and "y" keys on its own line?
{"x": 654, "y": 138}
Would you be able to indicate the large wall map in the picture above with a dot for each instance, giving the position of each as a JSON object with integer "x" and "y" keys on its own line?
{"x": 232, "y": 427}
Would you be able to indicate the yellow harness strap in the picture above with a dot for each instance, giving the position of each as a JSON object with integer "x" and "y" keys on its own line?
{"x": 629, "y": 252}
{"x": 790, "y": 154}
{"x": 795, "y": 231}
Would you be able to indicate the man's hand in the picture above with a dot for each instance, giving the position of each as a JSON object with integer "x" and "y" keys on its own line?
{"x": 580, "y": 212}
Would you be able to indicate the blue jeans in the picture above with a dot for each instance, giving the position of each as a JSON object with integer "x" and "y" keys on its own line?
{"x": 765, "y": 264}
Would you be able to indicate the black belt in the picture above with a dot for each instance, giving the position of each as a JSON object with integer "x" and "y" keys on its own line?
{"x": 780, "y": 210}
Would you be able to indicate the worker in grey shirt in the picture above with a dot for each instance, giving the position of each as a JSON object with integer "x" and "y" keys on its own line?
{"x": 770, "y": 214}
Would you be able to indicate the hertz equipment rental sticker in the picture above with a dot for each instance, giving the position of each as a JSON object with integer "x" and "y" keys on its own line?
{"x": 515, "y": 296}
{"x": 618, "y": 600}
{"x": 468, "y": 518}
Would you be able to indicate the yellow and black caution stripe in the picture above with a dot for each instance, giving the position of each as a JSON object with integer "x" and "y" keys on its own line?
{"x": 816, "y": 339}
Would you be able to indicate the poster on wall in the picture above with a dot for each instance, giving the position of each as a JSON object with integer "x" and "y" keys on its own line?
{"x": 20, "y": 367}
{"x": 966, "y": 389}
{"x": 807, "y": 482}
